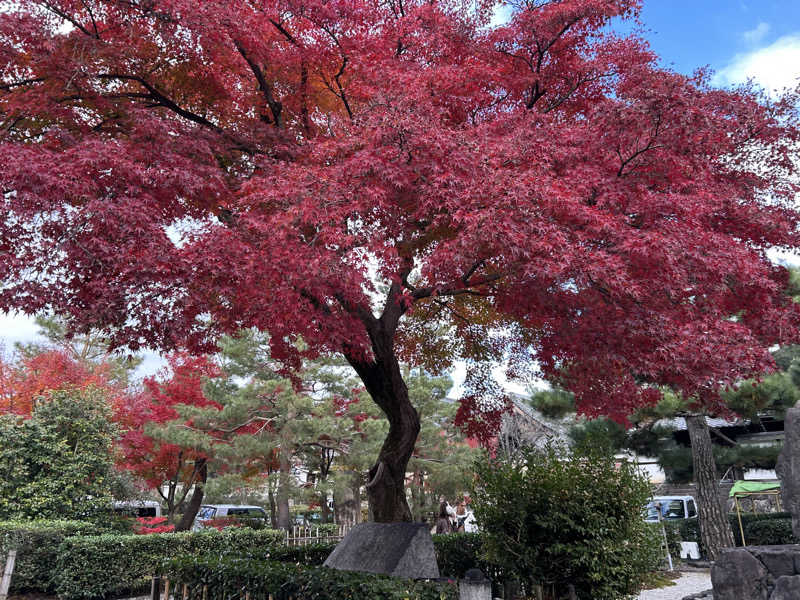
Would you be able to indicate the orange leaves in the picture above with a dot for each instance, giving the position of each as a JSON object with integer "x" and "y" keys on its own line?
{"x": 29, "y": 381}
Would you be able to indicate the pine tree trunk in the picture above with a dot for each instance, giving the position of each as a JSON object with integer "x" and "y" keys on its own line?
{"x": 384, "y": 382}
{"x": 326, "y": 510}
{"x": 357, "y": 498}
{"x": 715, "y": 529}
{"x": 283, "y": 489}
{"x": 273, "y": 518}
{"x": 192, "y": 508}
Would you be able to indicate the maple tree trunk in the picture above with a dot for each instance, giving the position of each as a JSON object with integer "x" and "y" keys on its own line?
{"x": 197, "y": 498}
{"x": 715, "y": 530}
{"x": 386, "y": 479}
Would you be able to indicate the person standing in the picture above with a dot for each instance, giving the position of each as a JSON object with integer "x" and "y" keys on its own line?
{"x": 443, "y": 521}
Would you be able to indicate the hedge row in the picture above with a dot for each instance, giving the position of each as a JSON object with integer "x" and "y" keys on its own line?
{"x": 237, "y": 579}
{"x": 36, "y": 543}
{"x": 760, "y": 529}
{"x": 99, "y": 566}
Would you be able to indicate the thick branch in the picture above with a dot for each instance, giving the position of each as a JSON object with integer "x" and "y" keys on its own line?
{"x": 275, "y": 107}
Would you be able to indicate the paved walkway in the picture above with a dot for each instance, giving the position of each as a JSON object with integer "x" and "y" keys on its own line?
{"x": 688, "y": 583}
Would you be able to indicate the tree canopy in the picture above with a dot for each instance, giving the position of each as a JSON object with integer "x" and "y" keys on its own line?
{"x": 395, "y": 181}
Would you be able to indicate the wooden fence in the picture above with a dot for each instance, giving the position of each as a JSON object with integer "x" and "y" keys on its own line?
{"x": 300, "y": 535}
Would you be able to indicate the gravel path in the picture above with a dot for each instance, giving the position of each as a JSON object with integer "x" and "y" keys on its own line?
{"x": 688, "y": 583}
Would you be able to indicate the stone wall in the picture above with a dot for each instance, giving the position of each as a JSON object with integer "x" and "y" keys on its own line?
{"x": 757, "y": 573}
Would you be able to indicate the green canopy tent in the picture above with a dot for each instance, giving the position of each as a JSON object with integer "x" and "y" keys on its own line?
{"x": 746, "y": 489}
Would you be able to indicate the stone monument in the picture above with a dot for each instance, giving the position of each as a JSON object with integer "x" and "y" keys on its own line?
{"x": 399, "y": 549}
{"x": 788, "y": 467}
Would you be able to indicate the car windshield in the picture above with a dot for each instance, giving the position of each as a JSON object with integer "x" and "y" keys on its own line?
{"x": 670, "y": 509}
{"x": 206, "y": 512}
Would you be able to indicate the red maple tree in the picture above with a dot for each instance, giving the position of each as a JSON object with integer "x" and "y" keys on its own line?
{"x": 146, "y": 448}
{"x": 395, "y": 180}
{"x": 29, "y": 380}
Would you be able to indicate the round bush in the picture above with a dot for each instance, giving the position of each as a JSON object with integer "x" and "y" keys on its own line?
{"x": 554, "y": 518}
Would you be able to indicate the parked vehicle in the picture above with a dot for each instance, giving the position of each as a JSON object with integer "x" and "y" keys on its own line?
{"x": 219, "y": 513}
{"x": 670, "y": 508}
{"x": 138, "y": 508}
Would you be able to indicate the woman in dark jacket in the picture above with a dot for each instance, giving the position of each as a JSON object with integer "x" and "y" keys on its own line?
{"x": 443, "y": 522}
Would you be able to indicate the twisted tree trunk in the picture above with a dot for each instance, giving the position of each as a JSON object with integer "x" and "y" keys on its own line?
{"x": 715, "y": 530}
{"x": 384, "y": 382}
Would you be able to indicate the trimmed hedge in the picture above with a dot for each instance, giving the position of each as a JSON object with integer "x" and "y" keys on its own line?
{"x": 232, "y": 579}
{"x": 104, "y": 565}
{"x": 37, "y": 545}
{"x": 312, "y": 555}
{"x": 760, "y": 529}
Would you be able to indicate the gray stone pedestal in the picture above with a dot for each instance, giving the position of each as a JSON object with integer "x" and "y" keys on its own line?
{"x": 400, "y": 549}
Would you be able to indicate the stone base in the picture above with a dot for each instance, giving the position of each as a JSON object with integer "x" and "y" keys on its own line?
{"x": 757, "y": 573}
{"x": 399, "y": 549}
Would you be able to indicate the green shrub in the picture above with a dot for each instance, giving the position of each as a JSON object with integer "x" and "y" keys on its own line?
{"x": 58, "y": 463}
{"x": 769, "y": 532}
{"x": 231, "y": 579}
{"x": 552, "y": 518}
{"x": 763, "y": 529}
{"x": 37, "y": 544}
{"x": 99, "y": 566}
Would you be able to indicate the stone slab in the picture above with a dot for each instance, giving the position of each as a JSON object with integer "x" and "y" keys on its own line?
{"x": 738, "y": 575}
{"x": 399, "y": 549}
{"x": 779, "y": 560}
{"x": 786, "y": 588}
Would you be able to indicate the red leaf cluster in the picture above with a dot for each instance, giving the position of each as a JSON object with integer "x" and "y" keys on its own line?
{"x": 148, "y": 525}
{"x": 29, "y": 380}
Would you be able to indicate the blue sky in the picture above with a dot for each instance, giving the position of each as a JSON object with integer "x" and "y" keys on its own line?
{"x": 737, "y": 38}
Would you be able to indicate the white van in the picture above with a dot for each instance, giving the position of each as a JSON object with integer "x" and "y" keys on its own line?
{"x": 138, "y": 508}
{"x": 208, "y": 512}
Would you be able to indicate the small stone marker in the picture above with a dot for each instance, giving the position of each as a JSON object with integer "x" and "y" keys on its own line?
{"x": 8, "y": 570}
{"x": 399, "y": 549}
{"x": 474, "y": 586}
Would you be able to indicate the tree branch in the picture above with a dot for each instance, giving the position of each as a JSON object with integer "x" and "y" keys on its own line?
{"x": 266, "y": 89}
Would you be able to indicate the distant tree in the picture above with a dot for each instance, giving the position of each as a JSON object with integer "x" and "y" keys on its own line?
{"x": 57, "y": 464}
{"x": 28, "y": 380}
{"x": 160, "y": 446}
{"x": 442, "y": 462}
{"x": 92, "y": 349}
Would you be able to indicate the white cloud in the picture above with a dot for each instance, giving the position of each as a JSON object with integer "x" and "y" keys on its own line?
{"x": 774, "y": 67}
{"x": 501, "y": 15}
{"x": 757, "y": 34}
{"x": 15, "y": 327}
